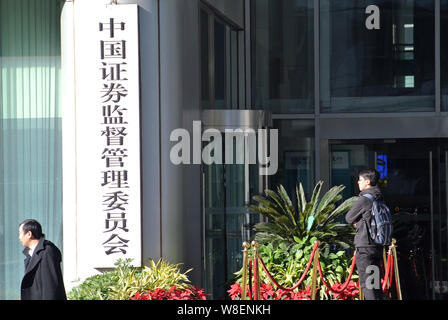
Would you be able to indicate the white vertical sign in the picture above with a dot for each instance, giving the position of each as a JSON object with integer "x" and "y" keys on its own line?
{"x": 108, "y": 134}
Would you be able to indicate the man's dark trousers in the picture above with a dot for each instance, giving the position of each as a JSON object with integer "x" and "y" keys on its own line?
{"x": 367, "y": 256}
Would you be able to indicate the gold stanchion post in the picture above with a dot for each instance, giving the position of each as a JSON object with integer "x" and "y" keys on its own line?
{"x": 397, "y": 276}
{"x": 314, "y": 276}
{"x": 256, "y": 271}
{"x": 246, "y": 247}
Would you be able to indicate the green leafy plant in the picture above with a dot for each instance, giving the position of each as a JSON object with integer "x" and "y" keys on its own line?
{"x": 125, "y": 281}
{"x": 314, "y": 218}
{"x": 287, "y": 238}
{"x": 96, "y": 287}
{"x": 159, "y": 274}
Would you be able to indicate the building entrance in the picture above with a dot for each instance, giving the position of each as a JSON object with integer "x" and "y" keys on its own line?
{"x": 227, "y": 191}
{"x": 414, "y": 178}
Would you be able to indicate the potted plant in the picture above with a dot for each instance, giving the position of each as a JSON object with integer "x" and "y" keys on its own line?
{"x": 286, "y": 240}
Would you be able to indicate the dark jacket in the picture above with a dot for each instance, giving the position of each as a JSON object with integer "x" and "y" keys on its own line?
{"x": 362, "y": 208}
{"x": 43, "y": 275}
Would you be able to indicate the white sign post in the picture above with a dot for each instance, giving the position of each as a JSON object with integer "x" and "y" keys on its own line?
{"x": 108, "y": 135}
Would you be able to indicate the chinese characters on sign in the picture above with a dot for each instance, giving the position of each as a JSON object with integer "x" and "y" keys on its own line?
{"x": 118, "y": 116}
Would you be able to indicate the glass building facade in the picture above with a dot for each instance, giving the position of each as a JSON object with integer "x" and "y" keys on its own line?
{"x": 443, "y": 54}
{"x": 283, "y": 57}
{"x": 30, "y": 129}
{"x": 390, "y": 68}
{"x": 351, "y": 86}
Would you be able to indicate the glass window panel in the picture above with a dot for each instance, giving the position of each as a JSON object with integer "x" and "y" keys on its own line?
{"x": 444, "y": 53}
{"x": 387, "y": 68}
{"x": 220, "y": 46}
{"x": 30, "y": 129}
{"x": 219, "y": 63}
{"x": 295, "y": 155}
{"x": 205, "y": 78}
{"x": 234, "y": 68}
{"x": 283, "y": 55}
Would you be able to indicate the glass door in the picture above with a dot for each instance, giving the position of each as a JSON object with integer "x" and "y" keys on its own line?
{"x": 439, "y": 224}
{"x": 228, "y": 190}
{"x": 414, "y": 181}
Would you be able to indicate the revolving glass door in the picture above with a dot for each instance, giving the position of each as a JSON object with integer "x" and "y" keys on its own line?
{"x": 228, "y": 187}
{"x": 228, "y": 221}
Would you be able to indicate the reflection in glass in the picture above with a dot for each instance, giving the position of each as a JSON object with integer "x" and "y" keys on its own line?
{"x": 228, "y": 189}
{"x": 388, "y": 69}
{"x": 215, "y": 248}
{"x": 219, "y": 63}
{"x": 414, "y": 185}
{"x": 444, "y": 53}
{"x": 30, "y": 129}
{"x": 205, "y": 72}
{"x": 283, "y": 55}
{"x": 222, "y": 59}
{"x": 296, "y": 156}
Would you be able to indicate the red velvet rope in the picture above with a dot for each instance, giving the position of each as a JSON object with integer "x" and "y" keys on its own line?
{"x": 256, "y": 279}
{"x": 388, "y": 270}
{"x": 250, "y": 280}
{"x": 346, "y": 281}
{"x": 386, "y": 275}
{"x": 316, "y": 244}
{"x": 391, "y": 272}
{"x": 391, "y": 267}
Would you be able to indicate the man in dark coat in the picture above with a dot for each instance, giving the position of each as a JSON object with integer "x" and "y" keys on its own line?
{"x": 368, "y": 253}
{"x": 43, "y": 275}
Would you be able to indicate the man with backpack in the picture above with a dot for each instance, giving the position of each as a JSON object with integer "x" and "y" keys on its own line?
{"x": 370, "y": 238}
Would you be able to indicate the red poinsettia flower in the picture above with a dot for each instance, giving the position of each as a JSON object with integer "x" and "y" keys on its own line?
{"x": 173, "y": 293}
{"x": 235, "y": 291}
{"x": 267, "y": 291}
{"x": 350, "y": 292}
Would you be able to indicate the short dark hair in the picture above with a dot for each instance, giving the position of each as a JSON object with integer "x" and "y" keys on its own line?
{"x": 33, "y": 226}
{"x": 370, "y": 174}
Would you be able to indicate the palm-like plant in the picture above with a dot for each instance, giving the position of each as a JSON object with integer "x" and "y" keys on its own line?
{"x": 314, "y": 218}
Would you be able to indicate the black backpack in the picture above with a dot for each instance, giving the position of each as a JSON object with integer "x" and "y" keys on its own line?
{"x": 380, "y": 228}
